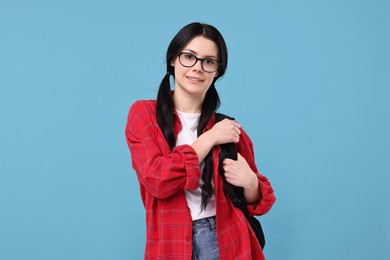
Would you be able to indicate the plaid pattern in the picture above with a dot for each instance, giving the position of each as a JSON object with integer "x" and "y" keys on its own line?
{"x": 164, "y": 175}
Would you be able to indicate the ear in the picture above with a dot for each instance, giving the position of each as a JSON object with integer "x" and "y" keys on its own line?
{"x": 173, "y": 62}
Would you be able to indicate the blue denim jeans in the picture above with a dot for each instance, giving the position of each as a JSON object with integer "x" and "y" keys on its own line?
{"x": 204, "y": 239}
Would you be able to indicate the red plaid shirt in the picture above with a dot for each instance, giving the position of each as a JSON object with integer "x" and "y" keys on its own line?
{"x": 164, "y": 175}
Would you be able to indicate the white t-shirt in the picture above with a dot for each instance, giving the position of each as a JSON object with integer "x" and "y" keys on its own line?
{"x": 188, "y": 135}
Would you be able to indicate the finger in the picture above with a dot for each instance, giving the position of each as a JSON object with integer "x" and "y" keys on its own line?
{"x": 236, "y": 138}
{"x": 241, "y": 158}
{"x": 227, "y": 161}
{"x": 236, "y": 128}
{"x": 227, "y": 168}
{"x": 232, "y": 122}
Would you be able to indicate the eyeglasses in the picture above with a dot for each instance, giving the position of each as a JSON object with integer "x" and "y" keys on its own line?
{"x": 188, "y": 60}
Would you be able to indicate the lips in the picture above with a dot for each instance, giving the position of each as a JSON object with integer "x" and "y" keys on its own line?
{"x": 195, "y": 79}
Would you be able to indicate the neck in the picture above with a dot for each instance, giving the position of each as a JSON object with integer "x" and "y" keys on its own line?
{"x": 188, "y": 103}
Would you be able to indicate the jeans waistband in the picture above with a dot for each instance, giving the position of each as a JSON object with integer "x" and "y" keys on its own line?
{"x": 203, "y": 223}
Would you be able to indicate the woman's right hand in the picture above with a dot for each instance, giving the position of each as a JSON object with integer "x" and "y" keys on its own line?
{"x": 225, "y": 131}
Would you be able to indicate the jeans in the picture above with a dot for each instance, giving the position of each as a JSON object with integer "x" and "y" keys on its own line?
{"x": 204, "y": 239}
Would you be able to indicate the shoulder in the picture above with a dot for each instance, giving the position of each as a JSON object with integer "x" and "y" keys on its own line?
{"x": 142, "y": 112}
{"x": 140, "y": 106}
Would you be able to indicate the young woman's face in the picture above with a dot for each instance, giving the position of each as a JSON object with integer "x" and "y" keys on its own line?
{"x": 195, "y": 80}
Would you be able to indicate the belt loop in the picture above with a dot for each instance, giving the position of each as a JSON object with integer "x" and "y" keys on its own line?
{"x": 212, "y": 222}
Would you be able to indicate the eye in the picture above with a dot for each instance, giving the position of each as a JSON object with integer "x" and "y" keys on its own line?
{"x": 188, "y": 56}
{"x": 210, "y": 62}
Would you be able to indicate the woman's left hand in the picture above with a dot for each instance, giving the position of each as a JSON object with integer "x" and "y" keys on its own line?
{"x": 238, "y": 173}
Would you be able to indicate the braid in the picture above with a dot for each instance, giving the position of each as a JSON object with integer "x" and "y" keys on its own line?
{"x": 164, "y": 111}
{"x": 210, "y": 105}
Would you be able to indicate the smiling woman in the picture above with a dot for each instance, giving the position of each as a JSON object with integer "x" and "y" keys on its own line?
{"x": 191, "y": 79}
{"x": 175, "y": 144}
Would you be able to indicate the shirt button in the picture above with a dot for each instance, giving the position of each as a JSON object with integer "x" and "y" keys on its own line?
{"x": 188, "y": 239}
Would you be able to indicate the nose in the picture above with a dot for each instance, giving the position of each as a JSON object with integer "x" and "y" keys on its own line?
{"x": 198, "y": 65}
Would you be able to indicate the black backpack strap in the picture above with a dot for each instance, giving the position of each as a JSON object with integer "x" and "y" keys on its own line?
{"x": 236, "y": 194}
{"x": 228, "y": 150}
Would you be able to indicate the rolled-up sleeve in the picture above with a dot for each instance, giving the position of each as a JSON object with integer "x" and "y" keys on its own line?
{"x": 162, "y": 172}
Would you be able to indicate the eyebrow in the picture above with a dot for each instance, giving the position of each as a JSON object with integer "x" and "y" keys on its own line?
{"x": 195, "y": 53}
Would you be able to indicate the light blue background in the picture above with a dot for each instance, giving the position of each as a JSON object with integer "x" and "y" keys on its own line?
{"x": 309, "y": 81}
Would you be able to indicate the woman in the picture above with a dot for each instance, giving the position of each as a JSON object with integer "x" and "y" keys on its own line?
{"x": 174, "y": 144}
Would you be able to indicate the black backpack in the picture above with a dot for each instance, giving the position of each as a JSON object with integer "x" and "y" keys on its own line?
{"x": 236, "y": 194}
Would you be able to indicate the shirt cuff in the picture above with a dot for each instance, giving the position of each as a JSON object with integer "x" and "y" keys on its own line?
{"x": 191, "y": 164}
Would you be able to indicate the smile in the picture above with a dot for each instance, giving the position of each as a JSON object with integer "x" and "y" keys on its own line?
{"x": 194, "y": 79}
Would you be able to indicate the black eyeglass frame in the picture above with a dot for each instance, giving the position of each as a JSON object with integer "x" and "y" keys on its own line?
{"x": 201, "y": 61}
